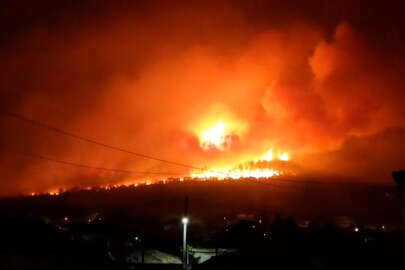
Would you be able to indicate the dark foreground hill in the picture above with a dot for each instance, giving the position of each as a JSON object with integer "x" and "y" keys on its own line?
{"x": 212, "y": 199}
{"x": 276, "y": 224}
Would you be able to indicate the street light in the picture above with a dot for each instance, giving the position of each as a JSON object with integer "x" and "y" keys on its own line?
{"x": 184, "y": 220}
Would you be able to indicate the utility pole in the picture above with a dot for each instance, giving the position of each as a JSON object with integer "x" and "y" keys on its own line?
{"x": 185, "y": 222}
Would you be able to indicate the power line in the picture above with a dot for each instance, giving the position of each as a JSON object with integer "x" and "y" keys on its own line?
{"x": 79, "y": 165}
{"x": 78, "y": 137}
{"x": 88, "y": 166}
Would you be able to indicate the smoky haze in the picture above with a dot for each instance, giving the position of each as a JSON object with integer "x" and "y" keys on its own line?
{"x": 319, "y": 79}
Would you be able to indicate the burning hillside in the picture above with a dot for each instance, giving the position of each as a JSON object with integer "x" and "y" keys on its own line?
{"x": 264, "y": 167}
{"x": 210, "y": 84}
{"x": 224, "y": 136}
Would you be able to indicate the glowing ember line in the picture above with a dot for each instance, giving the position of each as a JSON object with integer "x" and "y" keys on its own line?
{"x": 263, "y": 168}
{"x": 236, "y": 174}
{"x": 248, "y": 170}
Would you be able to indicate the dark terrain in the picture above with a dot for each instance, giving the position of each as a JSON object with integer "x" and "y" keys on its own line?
{"x": 274, "y": 223}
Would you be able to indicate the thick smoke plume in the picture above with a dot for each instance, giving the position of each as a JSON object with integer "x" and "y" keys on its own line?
{"x": 310, "y": 79}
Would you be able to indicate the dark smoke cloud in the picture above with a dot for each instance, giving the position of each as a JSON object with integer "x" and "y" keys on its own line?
{"x": 320, "y": 79}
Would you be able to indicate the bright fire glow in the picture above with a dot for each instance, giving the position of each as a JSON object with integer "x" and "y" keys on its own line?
{"x": 268, "y": 165}
{"x": 260, "y": 168}
{"x": 283, "y": 156}
{"x": 219, "y": 130}
{"x": 215, "y": 136}
{"x": 236, "y": 174}
{"x": 268, "y": 156}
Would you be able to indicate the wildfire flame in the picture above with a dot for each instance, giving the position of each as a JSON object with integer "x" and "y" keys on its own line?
{"x": 264, "y": 167}
{"x": 236, "y": 174}
{"x": 255, "y": 169}
{"x": 215, "y": 136}
{"x": 269, "y": 156}
{"x": 219, "y": 133}
{"x": 283, "y": 156}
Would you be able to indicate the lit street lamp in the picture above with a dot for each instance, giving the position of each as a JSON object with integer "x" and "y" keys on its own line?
{"x": 184, "y": 220}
